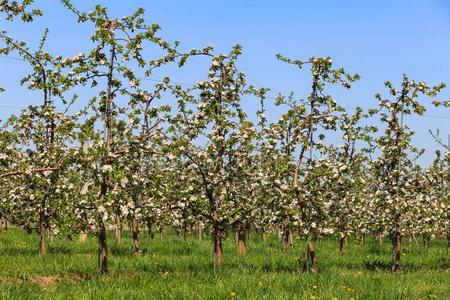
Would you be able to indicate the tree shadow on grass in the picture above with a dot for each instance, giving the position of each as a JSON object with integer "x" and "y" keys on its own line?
{"x": 34, "y": 251}
{"x": 377, "y": 265}
{"x": 61, "y": 250}
{"x": 376, "y": 249}
{"x": 19, "y": 251}
{"x": 208, "y": 267}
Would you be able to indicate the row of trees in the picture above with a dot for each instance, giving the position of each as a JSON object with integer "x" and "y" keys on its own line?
{"x": 126, "y": 157}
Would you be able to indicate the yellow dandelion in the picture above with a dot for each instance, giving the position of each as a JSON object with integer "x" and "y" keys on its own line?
{"x": 334, "y": 298}
{"x": 314, "y": 286}
{"x": 232, "y": 294}
{"x": 313, "y": 297}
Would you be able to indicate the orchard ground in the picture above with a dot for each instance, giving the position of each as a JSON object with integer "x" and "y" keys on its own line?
{"x": 174, "y": 268}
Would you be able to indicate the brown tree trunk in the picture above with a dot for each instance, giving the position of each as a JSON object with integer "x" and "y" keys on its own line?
{"x": 279, "y": 234}
{"x": 149, "y": 228}
{"x": 342, "y": 244}
{"x": 102, "y": 244}
{"x": 199, "y": 231}
{"x": 83, "y": 237}
{"x": 4, "y": 224}
{"x": 380, "y": 238}
{"x": 118, "y": 229}
{"x": 262, "y": 234}
{"x": 107, "y": 115}
{"x": 426, "y": 242}
{"x": 448, "y": 240}
{"x": 161, "y": 232}
{"x": 241, "y": 241}
{"x": 185, "y": 232}
{"x": 311, "y": 259}
{"x": 286, "y": 240}
{"x": 42, "y": 241}
{"x": 102, "y": 249}
{"x": 135, "y": 237}
{"x": 361, "y": 238}
{"x": 218, "y": 256}
{"x": 397, "y": 242}
{"x": 415, "y": 239}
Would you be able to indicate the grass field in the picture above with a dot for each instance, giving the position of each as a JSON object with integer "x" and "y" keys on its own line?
{"x": 171, "y": 268}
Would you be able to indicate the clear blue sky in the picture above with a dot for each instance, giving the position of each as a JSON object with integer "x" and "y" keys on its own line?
{"x": 379, "y": 39}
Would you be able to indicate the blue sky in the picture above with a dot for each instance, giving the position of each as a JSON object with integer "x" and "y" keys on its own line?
{"x": 380, "y": 40}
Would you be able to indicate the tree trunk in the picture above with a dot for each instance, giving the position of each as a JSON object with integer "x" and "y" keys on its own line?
{"x": 286, "y": 240}
{"x": 149, "y": 228}
{"x": 241, "y": 241}
{"x": 342, "y": 244}
{"x": 380, "y": 238}
{"x": 426, "y": 242}
{"x": 118, "y": 229}
{"x": 102, "y": 249}
{"x": 448, "y": 240}
{"x": 42, "y": 241}
{"x": 102, "y": 244}
{"x": 361, "y": 238}
{"x": 185, "y": 232}
{"x": 415, "y": 239}
{"x": 135, "y": 237}
{"x": 83, "y": 237}
{"x": 107, "y": 115}
{"x": 218, "y": 256}
{"x": 262, "y": 234}
{"x": 311, "y": 259}
{"x": 199, "y": 231}
{"x": 397, "y": 242}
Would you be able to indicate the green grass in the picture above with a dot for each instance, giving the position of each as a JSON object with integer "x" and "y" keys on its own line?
{"x": 176, "y": 269}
